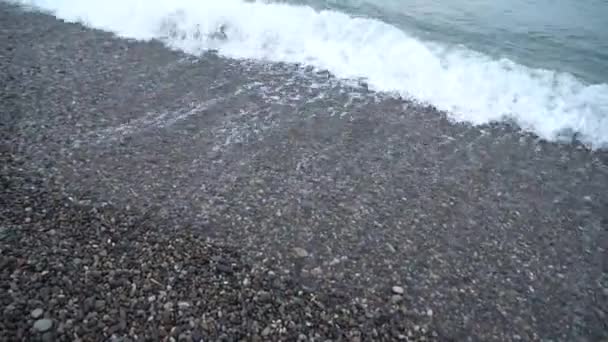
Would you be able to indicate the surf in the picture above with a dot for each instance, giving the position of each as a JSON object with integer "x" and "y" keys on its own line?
{"x": 469, "y": 86}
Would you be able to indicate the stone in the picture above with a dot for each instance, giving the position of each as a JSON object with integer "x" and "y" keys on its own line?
{"x": 43, "y": 325}
{"x": 100, "y": 304}
{"x": 3, "y": 232}
{"x": 264, "y": 296}
{"x": 398, "y": 290}
{"x": 37, "y": 313}
{"x": 48, "y": 337}
{"x": 300, "y": 252}
{"x": 396, "y": 299}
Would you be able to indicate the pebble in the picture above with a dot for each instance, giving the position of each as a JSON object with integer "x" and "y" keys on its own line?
{"x": 396, "y": 299}
{"x": 398, "y": 290}
{"x": 47, "y": 337}
{"x": 43, "y": 325}
{"x": 37, "y": 313}
{"x": 100, "y": 304}
{"x": 300, "y": 252}
{"x": 264, "y": 296}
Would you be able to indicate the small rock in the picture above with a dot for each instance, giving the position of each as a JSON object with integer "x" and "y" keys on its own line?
{"x": 37, "y": 313}
{"x": 183, "y": 305}
{"x": 316, "y": 271}
{"x": 224, "y": 268}
{"x": 197, "y": 336}
{"x": 396, "y": 299}
{"x": 100, "y": 304}
{"x": 246, "y": 282}
{"x": 166, "y": 317}
{"x": 266, "y": 331}
{"x": 398, "y": 290}
{"x": 3, "y": 232}
{"x": 47, "y": 337}
{"x": 300, "y": 252}
{"x": 43, "y": 325}
{"x": 429, "y": 312}
{"x": 264, "y": 296}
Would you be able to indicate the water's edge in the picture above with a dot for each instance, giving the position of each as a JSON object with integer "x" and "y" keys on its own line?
{"x": 469, "y": 86}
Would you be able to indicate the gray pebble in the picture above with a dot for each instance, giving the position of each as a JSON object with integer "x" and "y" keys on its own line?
{"x": 47, "y": 337}
{"x": 398, "y": 290}
{"x": 37, "y": 313}
{"x": 100, "y": 304}
{"x": 396, "y": 299}
{"x": 300, "y": 252}
{"x": 43, "y": 325}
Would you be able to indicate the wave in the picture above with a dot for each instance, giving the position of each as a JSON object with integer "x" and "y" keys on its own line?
{"x": 468, "y": 85}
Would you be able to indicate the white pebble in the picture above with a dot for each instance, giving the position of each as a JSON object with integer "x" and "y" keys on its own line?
{"x": 398, "y": 290}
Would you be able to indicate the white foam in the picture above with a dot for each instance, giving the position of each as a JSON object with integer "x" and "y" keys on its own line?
{"x": 470, "y": 86}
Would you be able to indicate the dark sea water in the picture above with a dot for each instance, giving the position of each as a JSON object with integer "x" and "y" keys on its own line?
{"x": 541, "y": 64}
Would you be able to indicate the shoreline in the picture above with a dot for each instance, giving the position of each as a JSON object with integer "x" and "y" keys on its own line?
{"x": 494, "y": 233}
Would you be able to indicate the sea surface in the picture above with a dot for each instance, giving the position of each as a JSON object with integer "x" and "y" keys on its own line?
{"x": 540, "y": 64}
